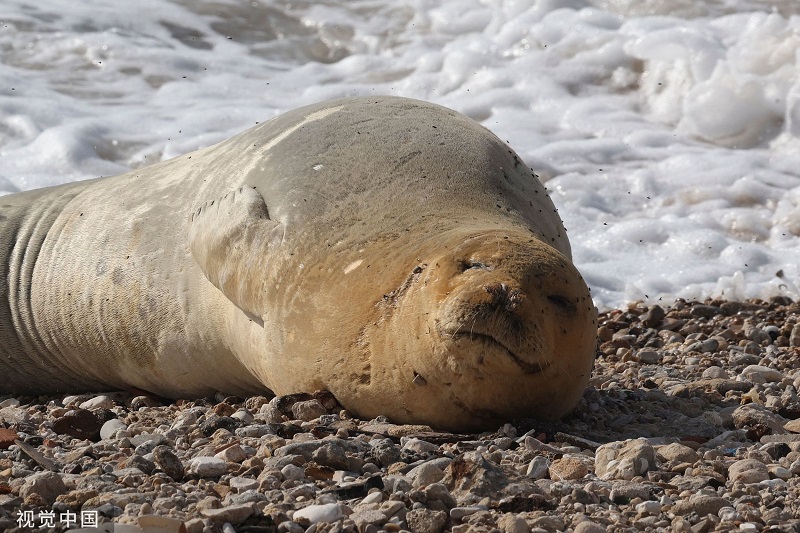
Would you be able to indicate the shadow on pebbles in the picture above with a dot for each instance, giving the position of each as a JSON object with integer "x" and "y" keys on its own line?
{"x": 691, "y": 424}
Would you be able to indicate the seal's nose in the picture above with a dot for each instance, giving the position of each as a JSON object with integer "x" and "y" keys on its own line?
{"x": 503, "y": 296}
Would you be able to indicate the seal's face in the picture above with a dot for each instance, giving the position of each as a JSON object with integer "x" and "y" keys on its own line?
{"x": 505, "y": 328}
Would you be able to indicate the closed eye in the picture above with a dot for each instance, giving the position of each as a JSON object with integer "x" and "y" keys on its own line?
{"x": 562, "y": 303}
{"x": 474, "y": 265}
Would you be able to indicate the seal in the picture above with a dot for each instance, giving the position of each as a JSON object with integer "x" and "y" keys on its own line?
{"x": 388, "y": 250}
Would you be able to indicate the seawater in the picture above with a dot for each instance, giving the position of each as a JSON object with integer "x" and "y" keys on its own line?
{"x": 667, "y": 131}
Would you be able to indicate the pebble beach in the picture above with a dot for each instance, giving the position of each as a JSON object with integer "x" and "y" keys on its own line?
{"x": 691, "y": 424}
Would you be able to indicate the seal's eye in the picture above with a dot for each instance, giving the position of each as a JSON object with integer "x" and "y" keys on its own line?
{"x": 473, "y": 265}
{"x": 562, "y": 303}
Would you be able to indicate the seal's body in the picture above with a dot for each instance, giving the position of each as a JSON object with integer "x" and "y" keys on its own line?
{"x": 391, "y": 251}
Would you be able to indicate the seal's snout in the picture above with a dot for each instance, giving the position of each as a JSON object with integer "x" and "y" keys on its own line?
{"x": 504, "y": 297}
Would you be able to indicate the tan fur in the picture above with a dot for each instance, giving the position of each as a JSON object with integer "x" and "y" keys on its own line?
{"x": 391, "y": 251}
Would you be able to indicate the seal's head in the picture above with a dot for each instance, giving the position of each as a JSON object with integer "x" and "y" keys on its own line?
{"x": 499, "y": 326}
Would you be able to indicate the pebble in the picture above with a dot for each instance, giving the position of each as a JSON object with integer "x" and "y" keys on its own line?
{"x": 110, "y": 428}
{"x": 624, "y": 459}
{"x": 588, "y": 526}
{"x": 331, "y": 454}
{"x": 678, "y": 453}
{"x": 7, "y": 438}
{"x": 232, "y": 454}
{"x": 329, "y": 512}
{"x": 761, "y": 374}
{"x": 649, "y": 357}
{"x": 419, "y": 446}
{"x": 308, "y": 410}
{"x": 510, "y": 523}
{"x": 367, "y": 517}
{"x": 567, "y": 468}
{"x": 208, "y": 466}
{"x": 748, "y": 471}
{"x": 737, "y": 462}
{"x": 426, "y": 521}
{"x": 702, "y": 504}
{"x": 98, "y": 402}
{"x": 47, "y": 485}
{"x": 232, "y": 514}
{"x": 538, "y": 468}
{"x": 242, "y": 484}
{"x": 458, "y": 513}
{"x": 425, "y": 474}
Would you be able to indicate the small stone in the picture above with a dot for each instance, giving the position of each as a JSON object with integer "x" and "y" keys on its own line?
{"x": 653, "y": 317}
{"x": 242, "y": 484}
{"x": 214, "y": 423}
{"x": 137, "y": 461}
{"x": 567, "y": 468}
{"x": 678, "y": 453}
{"x": 367, "y": 517}
{"x": 140, "y": 402}
{"x": 794, "y": 336}
{"x": 439, "y": 491}
{"x": 748, "y": 471}
{"x": 648, "y": 508}
{"x": 142, "y": 438}
{"x": 208, "y": 466}
{"x": 293, "y": 472}
{"x": 244, "y": 416}
{"x": 648, "y": 356}
{"x": 331, "y": 454}
{"x": 372, "y": 497}
{"x": 308, "y": 410}
{"x": 792, "y": 425}
{"x": 48, "y": 485}
{"x": 426, "y": 521}
{"x": 624, "y": 459}
{"x": 511, "y": 523}
{"x": 457, "y": 513}
{"x": 233, "y": 514}
{"x": 420, "y": 446}
{"x": 157, "y": 523}
{"x": 110, "y": 428}
{"x": 588, "y": 526}
{"x": 81, "y": 424}
{"x": 623, "y": 492}
{"x": 271, "y": 414}
{"x": 750, "y": 415}
{"x": 328, "y": 512}
{"x": 184, "y": 420}
{"x": 9, "y": 402}
{"x": 7, "y": 438}
{"x": 98, "y": 402}
{"x": 702, "y": 504}
{"x": 715, "y": 372}
{"x": 538, "y": 468}
{"x": 232, "y": 454}
{"x": 425, "y": 474}
{"x": 550, "y": 523}
{"x": 761, "y": 374}
{"x": 779, "y": 472}
{"x": 168, "y": 462}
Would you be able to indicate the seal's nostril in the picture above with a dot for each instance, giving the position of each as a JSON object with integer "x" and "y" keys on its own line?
{"x": 503, "y": 296}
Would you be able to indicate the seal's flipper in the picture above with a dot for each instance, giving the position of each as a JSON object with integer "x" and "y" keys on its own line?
{"x": 229, "y": 239}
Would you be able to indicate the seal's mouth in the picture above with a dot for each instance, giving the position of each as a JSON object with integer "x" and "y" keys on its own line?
{"x": 489, "y": 340}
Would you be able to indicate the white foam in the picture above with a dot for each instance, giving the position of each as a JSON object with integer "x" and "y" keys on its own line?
{"x": 667, "y": 131}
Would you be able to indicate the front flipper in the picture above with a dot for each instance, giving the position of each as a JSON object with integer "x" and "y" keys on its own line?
{"x": 229, "y": 238}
